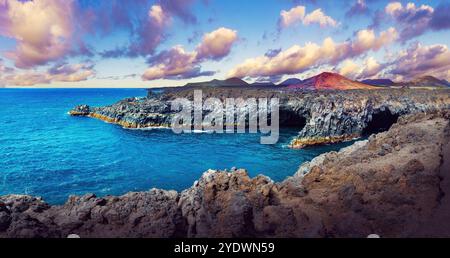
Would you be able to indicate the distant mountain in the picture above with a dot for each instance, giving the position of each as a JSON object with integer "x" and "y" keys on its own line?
{"x": 379, "y": 82}
{"x": 218, "y": 83}
{"x": 330, "y": 81}
{"x": 290, "y": 81}
{"x": 426, "y": 81}
{"x": 263, "y": 84}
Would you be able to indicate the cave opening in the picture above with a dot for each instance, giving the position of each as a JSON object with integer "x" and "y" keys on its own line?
{"x": 291, "y": 119}
{"x": 381, "y": 121}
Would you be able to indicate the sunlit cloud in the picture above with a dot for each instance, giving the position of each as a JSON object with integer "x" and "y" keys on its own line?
{"x": 370, "y": 68}
{"x": 151, "y": 29}
{"x": 420, "y": 60}
{"x": 43, "y": 30}
{"x": 177, "y": 63}
{"x": 414, "y": 21}
{"x": 359, "y": 7}
{"x": 298, "y": 15}
{"x": 217, "y": 44}
{"x": 297, "y": 59}
{"x": 47, "y": 41}
{"x": 61, "y": 72}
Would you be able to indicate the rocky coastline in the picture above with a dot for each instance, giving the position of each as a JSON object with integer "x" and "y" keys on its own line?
{"x": 395, "y": 184}
{"x": 321, "y": 117}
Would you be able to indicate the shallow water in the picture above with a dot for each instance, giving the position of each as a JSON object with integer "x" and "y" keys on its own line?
{"x": 45, "y": 152}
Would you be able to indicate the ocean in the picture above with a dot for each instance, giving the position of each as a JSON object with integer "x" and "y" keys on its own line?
{"x": 45, "y": 152}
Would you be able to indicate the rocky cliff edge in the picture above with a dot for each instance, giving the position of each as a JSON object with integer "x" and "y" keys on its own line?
{"x": 395, "y": 184}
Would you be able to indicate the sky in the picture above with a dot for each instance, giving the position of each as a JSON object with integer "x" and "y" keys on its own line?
{"x": 157, "y": 43}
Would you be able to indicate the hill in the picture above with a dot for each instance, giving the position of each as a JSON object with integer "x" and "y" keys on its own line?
{"x": 330, "y": 81}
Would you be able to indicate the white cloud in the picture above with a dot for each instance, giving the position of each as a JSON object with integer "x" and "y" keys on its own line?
{"x": 217, "y": 44}
{"x": 178, "y": 63}
{"x": 298, "y": 15}
{"x": 43, "y": 30}
{"x": 419, "y": 60}
{"x": 297, "y": 59}
{"x": 370, "y": 68}
{"x": 58, "y": 73}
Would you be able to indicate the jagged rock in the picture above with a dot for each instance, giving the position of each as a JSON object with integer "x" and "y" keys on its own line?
{"x": 351, "y": 193}
{"x": 81, "y": 110}
{"x": 321, "y": 116}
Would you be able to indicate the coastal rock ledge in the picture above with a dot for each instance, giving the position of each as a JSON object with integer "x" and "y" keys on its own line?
{"x": 321, "y": 117}
{"x": 395, "y": 184}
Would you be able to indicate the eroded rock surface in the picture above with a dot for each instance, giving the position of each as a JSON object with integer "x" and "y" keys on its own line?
{"x": 321, "y": 116}
{"x": 395, "y": 184}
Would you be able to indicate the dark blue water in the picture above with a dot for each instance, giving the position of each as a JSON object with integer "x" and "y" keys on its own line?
{"x": 45, "y": 152}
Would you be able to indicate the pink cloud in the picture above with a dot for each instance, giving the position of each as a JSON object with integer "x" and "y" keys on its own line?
{"x": 370, "y": 68}
{"x": 358, "y": 8}
{"x": 414, "y": 21}
{"x": 298, "y": 59}
{"x": 59, "y": 73}
{"x": 151, "y": 32}
{"x": 419, "y": 60}
{"x": 216, "y": 44}
{"x": 148, "y": 31}
{"x": 43, "y": 30}
{"x": 171, "y": 63}
{"x": 177, "y": 63}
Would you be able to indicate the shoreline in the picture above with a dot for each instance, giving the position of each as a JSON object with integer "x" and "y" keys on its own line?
{"x": 227, "y": 198}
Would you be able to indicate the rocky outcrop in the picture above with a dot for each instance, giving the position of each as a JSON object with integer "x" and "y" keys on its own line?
{"x": 141, "y": 214}
{"x": 321, "y": 116}
{"x": 395, "y": 184}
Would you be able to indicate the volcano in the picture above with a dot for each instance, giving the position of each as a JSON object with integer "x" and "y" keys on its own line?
{"x": 427, "y": 81}
{"x": 330, "y": 81}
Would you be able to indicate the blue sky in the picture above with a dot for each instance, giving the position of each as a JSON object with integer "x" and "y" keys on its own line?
{"x": 55, "y": 43}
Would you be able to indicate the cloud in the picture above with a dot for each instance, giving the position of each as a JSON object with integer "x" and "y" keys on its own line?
{"x": 180, "y": 8}
{"x": 413, "y": 20}
{"x": 217, "y": 44}
{"x": 420, "y": 60}
{"x": 4, "y": 69}
{"x": 294, "y": 15}
{"x": 114, "y": 53}
{"x": 158, "y": 16}
{"x": 26, "y": 79}
{"x": 43, "y": 30}
{"x": 440, "y": 20}
{"x": 272, "y": 52}
{"x": 319, "y": 17}
{"x": 377, "y": 19}
{"x": 64, "y": 72}
{"x": 298, "y": 15}
{"x": 150, "y": 33}
{"x": 118, "y": 77}
{"x": 349, "y": 68}
{"x": 172, "y": 63}
{"x": 61, "y": 72}
{"x": 297, "y": 58}
{"x": 369, "y": 69}
{"x": 178, "y": 63}
{"x": 416, "y": 20}
{"x": 358, "y": 8}
{"x": 147, "y": 30}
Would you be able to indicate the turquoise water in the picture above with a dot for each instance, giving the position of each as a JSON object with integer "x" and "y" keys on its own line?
{"x": 45, "y": 152}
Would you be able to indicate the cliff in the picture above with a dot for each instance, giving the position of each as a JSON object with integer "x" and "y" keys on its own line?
{"x": 321, "y": 116}
{"x": 394, "y": 184}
